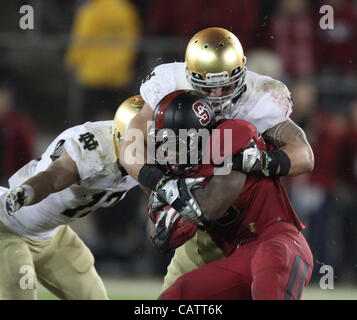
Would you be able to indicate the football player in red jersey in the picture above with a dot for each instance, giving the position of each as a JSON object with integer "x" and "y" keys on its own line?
{"x": 249, "y": 216}
{"x": 215, "y": 65}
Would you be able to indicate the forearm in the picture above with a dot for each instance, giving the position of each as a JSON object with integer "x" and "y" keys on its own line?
{"x": 43, "y": 184}
{"x": 133, "y": 149}
{"x": 37, "y": 188}
{"x": 126, "y": 160}
{"x": 291, "y": 139}
{"x": 301, "y": 158}
{"x": 211, "y": 210}
{"x": 219, "y": 194}
{"x": 61, "y": 174}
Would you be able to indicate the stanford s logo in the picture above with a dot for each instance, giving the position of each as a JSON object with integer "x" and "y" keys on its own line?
{"x": 201, "y": 112}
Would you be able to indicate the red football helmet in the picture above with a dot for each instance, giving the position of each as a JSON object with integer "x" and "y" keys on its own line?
{"x": 183, "y": 120}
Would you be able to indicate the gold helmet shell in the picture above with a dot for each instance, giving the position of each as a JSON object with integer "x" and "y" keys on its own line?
{"x": 214, "y": 58}
{"x": 124, "y": 114}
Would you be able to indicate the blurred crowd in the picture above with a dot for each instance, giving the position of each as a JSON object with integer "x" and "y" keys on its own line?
{"x": 83, "y": 58}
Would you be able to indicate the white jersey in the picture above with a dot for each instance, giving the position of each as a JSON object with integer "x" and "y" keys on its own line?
{"x": 101, "y": 181}
{"x": 266, "y": 102}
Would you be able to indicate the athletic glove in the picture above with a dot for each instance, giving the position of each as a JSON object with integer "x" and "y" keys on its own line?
{"x": 248, "y": 160}
{"x": 267, "y": 162}
{"x": 172, "y": 230}
{"x": 177, "y": 193}
{"x": 18, "y": 197}
{"x": 155, "y": 204}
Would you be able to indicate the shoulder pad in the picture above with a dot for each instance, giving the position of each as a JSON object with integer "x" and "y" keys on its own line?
{"x": 91, "y": 146}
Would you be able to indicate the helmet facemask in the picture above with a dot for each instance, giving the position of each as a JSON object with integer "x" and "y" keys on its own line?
{"x": 182, "y": 123}
{"x": 233, "y": 85}
{"x": 179, "y": 152}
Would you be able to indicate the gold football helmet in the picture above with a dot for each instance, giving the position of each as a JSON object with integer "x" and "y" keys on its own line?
{"x": 215, "y": 58}
{"x": 124, "y": 114}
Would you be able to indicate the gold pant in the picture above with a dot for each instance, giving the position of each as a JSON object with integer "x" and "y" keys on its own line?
{"x": 62, "y": 264}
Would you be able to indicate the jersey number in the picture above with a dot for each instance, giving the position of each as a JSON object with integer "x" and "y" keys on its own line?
{"x": 96, "y": 198}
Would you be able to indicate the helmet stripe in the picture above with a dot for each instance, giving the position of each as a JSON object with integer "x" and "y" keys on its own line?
{"x": 164, "y": 104}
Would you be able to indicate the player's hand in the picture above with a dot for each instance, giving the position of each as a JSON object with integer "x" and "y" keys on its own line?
{"x": 177, "y": 193}
{"x": 248, "y": 160}
{"x": 17, "y": 198}
{"x": 172, "y": 230}
{"x": 155, "y": 204}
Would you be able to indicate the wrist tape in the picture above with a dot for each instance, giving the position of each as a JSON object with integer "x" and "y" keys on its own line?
{"x": 271, "y": 160}
{"x": 150, "y": 175}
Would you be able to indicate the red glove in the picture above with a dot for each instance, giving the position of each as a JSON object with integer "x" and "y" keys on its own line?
{"x": 172, "y": 230}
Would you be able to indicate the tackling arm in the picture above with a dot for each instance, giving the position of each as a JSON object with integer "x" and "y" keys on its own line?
{"x": 168, "y": 229}
{"x": 59, "y": 175}
{"x": 150, "y": 177}
{"x": 293, "y": 155}
{"x": 138, "y": 122}
{"x": 219, "y": 194}
{"x": 291, "y": 139}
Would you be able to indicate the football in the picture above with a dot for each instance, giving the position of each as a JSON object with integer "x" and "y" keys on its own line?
{"x": 182, "y": 231}
{"x": 172, "y": 228}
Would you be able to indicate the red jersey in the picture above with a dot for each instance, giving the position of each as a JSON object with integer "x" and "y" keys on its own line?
{"x": 262, "y": 202}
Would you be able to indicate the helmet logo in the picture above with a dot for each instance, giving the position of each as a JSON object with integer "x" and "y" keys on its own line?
{"x": 201, "y": 112}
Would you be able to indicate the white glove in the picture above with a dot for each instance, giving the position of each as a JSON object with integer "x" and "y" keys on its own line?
{"x": 248, "y": 160}
{"x": 19, "y": 197}
{"x": 177, "y": 193}
{"x": 155, "y": 204}
{"x": 251, "y": 160}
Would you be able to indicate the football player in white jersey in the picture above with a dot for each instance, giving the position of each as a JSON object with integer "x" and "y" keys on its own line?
{"x": 77, "y": 174}
{"x": 216, "y": 66}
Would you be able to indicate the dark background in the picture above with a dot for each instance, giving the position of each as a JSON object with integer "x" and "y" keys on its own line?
{"x": 50, "y": 80}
